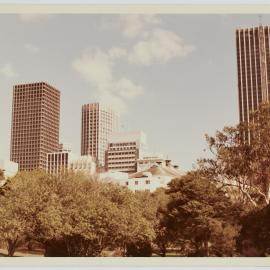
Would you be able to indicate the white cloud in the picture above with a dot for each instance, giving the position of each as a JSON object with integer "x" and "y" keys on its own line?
{"x": 150, "y": 45}
{"x": 117, "y": 52}
{"x": 8, "y": 71}
{"x": 32, "y": 17}
{"x": 134, "y": 24}
{"x": 159, "y": 45}
{"x": 127, "y": 89}
{"x": 96, "y": 67}
{"x": 31, "y": 48}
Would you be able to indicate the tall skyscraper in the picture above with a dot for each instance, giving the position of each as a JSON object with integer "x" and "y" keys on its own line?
{"x": 98, "y": 122}
{"x": 253, "y": 63}
{"x": 35, "y": 124}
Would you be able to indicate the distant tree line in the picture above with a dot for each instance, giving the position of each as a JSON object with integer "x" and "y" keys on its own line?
{"x": 221, "y": 208}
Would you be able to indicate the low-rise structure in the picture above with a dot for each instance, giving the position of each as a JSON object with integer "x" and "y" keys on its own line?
{"x": 64, "y": 160}
{"x": 157, "y": 176}
{"x": 124, "y": 148}
{"x": 83, "y": 164}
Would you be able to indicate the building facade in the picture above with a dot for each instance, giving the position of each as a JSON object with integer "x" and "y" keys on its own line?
{"x": 35, "y": 124}
{"x": 157, "y": 176}
{"x": 58, "y": 162}
{"x": 83, "y": 164}
{"x": 98, "y": 122}
{"x": 65, "y": 161}
{"x": 124, "y": 149}
{"x": 253, "y": 66}
{"x": 149, "y": 160}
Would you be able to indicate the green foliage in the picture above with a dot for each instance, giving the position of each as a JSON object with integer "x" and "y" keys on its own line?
{"x": 254, "y": 238}
{"x": 151, "y": 204}
{"x": 200, "y": 213}
{"x": 163, "y": 238}
{"x": 139, "y": 249}
{"x": 241, "y": 159}
{"x": 72, "y": 215}
{"x": 18, "y": 208}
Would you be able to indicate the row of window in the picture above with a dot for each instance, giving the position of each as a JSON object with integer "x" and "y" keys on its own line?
{"x": 122, "y": 168}
{"x": 119, "y": 162}
{"x": 120, "y": 153}
{"x": 117, "y": 158}
{"x": 122, "y": 144}
{"x": 147, "y": 182}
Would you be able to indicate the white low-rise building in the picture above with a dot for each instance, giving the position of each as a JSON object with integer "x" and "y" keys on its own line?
{"x": 9, "y": 168}
{"x": 157, "y": 176}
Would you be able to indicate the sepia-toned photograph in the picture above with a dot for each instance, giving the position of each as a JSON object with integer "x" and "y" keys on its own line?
{"x": 134, "y": 135}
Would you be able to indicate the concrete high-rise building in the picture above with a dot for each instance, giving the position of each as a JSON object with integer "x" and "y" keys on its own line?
{"x": 98, "y": 122}
{"x": 253, "y": 65}
{"x": 35, "y": 124}
{"x": 124, "y": 149}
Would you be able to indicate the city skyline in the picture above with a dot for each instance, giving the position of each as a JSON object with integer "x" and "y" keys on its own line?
{"x": 98, "y": 68}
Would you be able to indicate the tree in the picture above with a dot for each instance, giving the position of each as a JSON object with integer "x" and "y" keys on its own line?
{"x": 137, "y": 233}
{"x": 2, "y": 175}
{"x": 71, "y": 215}
{"x": 254, "y": 237}
{"x": 199, "y": 214}
{"x": 163, "y": 236}
{"x": 23, "y": 199}
{"x": 94, "y": 217}
{"x": 241, "y": 158}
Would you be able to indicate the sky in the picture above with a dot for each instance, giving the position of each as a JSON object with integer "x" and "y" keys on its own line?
{"x": 171, "y": 76}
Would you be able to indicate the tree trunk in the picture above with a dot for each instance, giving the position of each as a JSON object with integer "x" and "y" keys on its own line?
{"x": 30, "y": 246}
{"x": 11, "y": 248}
{"x": 163, "y": 250}
{"x": 197, "y": 247}
{"x": 206, "y": 248}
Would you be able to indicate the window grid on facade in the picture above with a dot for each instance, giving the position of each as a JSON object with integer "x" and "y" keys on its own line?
{"x": 98, "y": 122}
{"x": 253, "y": 68}
{"x": 35, "y": 124}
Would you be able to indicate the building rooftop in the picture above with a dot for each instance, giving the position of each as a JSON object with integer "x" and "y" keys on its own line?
{"x": 158, "y": 170}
